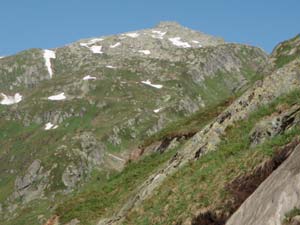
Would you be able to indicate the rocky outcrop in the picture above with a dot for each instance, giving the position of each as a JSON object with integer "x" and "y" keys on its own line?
{"x": 294, "y": 221}
{"x": 275, "y": 124}
{"x": 27, "y": 69}
{"x": 32, "y": 185}
{"x": 89, "y": 156}
{"x": 276, "y": 196}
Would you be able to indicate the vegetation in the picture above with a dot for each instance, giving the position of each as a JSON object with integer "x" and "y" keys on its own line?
{"x": 100, "y": 196}
{"x": 201, "y": 184}
{"x": 198, "y": 185}
{"x": 290, "y": 215}
{"x": 287, "y": 51}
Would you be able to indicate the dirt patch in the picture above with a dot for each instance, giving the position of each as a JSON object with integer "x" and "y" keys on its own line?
{"x": 53, "y": 221}
{"x": 209, "y": 218}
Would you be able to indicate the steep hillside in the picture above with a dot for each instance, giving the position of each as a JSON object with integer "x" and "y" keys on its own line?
{"x": 72, "y": 118}
{"x": 212, "y": 173}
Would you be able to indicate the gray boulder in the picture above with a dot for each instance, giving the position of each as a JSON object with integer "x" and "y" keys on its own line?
{"x": 275, "y": 197}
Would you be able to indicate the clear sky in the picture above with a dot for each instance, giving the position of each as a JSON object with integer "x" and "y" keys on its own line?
{"x": 52, "y": 23}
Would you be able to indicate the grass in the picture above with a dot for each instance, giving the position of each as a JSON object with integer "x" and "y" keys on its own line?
{"x": 201, "y": 184}
{"x": 190, "y": 124}
{"x": 31, "y": 213}
{"x": 282, "y": 52}
{"x": 29, "y": 143}
{"x": 290, "y": 215}
{"x": 101, "y": 196}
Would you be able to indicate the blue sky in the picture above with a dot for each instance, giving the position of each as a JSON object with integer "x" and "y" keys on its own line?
{"x": 53, "y": 23}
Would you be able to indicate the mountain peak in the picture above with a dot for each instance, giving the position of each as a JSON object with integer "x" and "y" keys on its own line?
{"x": 169, "y": 24}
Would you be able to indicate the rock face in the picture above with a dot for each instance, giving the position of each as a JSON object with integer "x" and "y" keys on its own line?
{"x": 276, "y": 196}
{"x": 275, "y": 124}
{"x": 295, "y": 221}
{"x": 32, "y": 184}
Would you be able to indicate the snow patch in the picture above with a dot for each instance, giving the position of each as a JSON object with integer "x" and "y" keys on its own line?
{"x": 88, "y": 77}
{"x": 157, "y": 110}
{"x": 148, "y": 82}
{"x": 96, "y": 49}
{"x": 58, "y": 97}
{"x": 132, "y": 35}
{"x": 179, "y": 43}
{"x": 10, "y": 100}
{"x": 158, "y": 34}
{"x": 91, "y": 42}
{"x": 111, "y": 67}
{"x": 50, "y": 126}
{"x": 1, "y": 57}
{"x": 115, "y": 45}
{"x": 197, "y": 42}
{"x": 146, "y": 52}
{"x": 48, "y": 55}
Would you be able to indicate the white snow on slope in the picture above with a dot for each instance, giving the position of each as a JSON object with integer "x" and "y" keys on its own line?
{"x": 148, "y": 82}
{"x": 146, "y": 52}
{"x": 1, "y": 57}
{"x": 91, "y": 42}
{"x": 58, "y": 97}
{"x": 115, "y": 45}
{"x": 132, "y": 35}
{"x": 89, "y": 77}
{"x": 50, "y": 126}
{"x": 157, "y": 110}
{"x": 158, "y": 34}
{"x": 197, "y": 42}
{"x": 110, "y": 67}
{"x": 10, "y": 100}
{"x": 96, "y": 49}
{"x": 48, "y": 55}
{"x": 177, "y": 42}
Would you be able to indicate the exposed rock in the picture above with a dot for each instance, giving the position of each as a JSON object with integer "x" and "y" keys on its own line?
{"x": 115, "y": 138}
{"x": 91, "y": 155}
{"x": 32, "y": 184}
{"x": 188, "y": 106}
{"x": 72, "y": 175}
{"x": 295, "y": 221}
{"x": 53, "y": 221}
{"x": 276, "y": 196}
{"x": 161, "y": 123}
{"x": 92, "y": 149}
{"x": 275, "y": 124}
{"x": 74, "y": 222}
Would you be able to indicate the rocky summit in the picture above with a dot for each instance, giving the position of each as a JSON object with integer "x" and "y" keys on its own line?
{"x": 158, "y": 126}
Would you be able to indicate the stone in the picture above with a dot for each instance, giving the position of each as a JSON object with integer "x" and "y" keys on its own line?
{"x": 31, "y": 186}
{"x": 295, "y": 220}
{"x": 275, "y": 124}
{"x": 72, "y": 175}
{"x": 275, "y": 197}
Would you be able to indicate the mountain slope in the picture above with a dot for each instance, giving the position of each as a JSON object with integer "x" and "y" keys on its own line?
{"x": 76, "y": 114}
{"x": 233, "y": 154}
